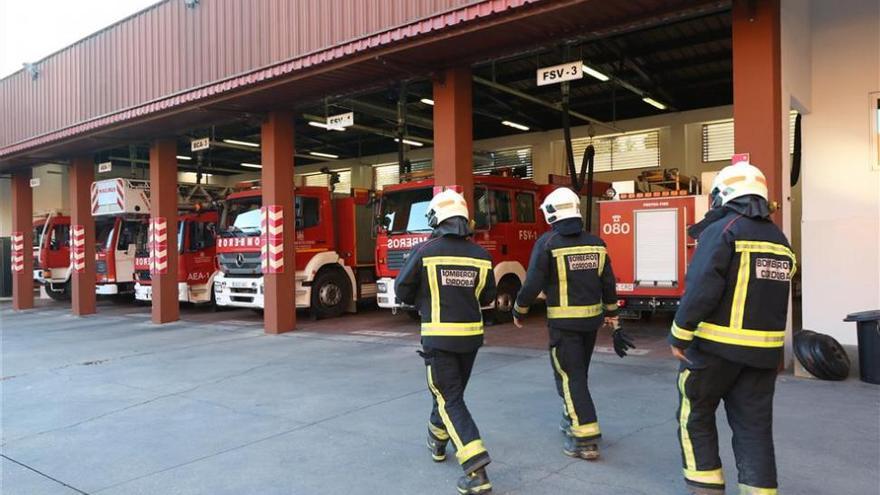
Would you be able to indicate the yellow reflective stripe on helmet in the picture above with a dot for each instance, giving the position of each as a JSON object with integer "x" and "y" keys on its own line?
{"x": 681, "y": 333}
{"x": 435, "y": 292}
{"x": 587, "y": 430}
{"x": 470, "y": 450}
{"x": 441, "y": 408}
{"x": 686, "y": 446}
{"x": 754, "y": 490}
{"x": 575, "y": 311}
{"x": 457, "y": 260}
{"x": 711, "y": 477}
{"x": 438, "y": 432}
{"x": 767, "y": 247}
{"x": 740, "y": 336}
{"x": 441, "y": 329}
{"x": 566, "y": 392}
{"x": 738, "y": 306}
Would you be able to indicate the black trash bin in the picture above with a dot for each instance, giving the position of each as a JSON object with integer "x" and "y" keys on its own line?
{"x": 868, "y": 328}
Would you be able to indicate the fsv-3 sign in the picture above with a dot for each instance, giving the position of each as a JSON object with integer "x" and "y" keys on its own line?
{"x": 560, "y": 73}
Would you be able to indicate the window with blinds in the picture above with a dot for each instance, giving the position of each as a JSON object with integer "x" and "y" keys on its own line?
{"x": 718, "y": 139}
{"x": 621, "y": 151}
{"x": 323, "y": 180}
{"x": 389, "y": 173}
{"x": 506, "y": 158}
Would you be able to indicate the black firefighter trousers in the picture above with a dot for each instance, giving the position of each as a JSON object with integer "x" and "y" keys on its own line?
{"x": 448, "y": 375}
{"x": 570, "y": 354}
{"x": 748, "y": 400}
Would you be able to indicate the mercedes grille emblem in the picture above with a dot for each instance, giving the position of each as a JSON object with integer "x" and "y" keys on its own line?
{"x": 239, "y": 260}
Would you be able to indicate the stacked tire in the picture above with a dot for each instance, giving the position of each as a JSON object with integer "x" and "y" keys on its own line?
{"x": 821, "y": 355}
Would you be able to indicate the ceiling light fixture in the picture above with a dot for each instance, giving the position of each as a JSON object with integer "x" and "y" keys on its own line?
{"x": 325, "y": 126}
{"x": 654, "y": 103}
{"x": 323, "y": 155}
{"x": 182, "y": 157}
{"x": 515, "y": 125}
{"x": 427, "y": 101}
{"x": 409, "y": 142}
{"x": 242, "y": 143}
{"x": 593, "y": 72}
{"x": 251, "y": 165}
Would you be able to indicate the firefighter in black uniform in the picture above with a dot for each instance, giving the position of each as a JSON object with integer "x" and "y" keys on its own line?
{"x": 729, "y": 332}
{"x": 449, "y": 278}
{"x": 573, "y": 269}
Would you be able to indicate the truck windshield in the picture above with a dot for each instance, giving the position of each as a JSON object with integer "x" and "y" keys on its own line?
{"x": 243, "y": 216}
{"x": 404, "y": 211}
{"x": 38, "y": 234}
{"x": 104, "y": 232}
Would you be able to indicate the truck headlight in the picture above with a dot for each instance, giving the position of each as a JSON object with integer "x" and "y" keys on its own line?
{"x": 382, "y": 287}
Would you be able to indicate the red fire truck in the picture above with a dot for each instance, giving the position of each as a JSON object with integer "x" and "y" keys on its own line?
{"x": 647, "y": 240}
{"x": 52, "y": 254}
{"x": 197, "y": 262}
{"x": 121, "y": 208}
{"x": 507, "y": 223}
{"x": 334, "y": 251}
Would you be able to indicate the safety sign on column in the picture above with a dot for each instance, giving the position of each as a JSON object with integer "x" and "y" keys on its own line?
{"x": 158, "y": 235}
{"x": 272, "y": 249}
{"x": 78, "y": 253}
{"x": 17, "y": 252}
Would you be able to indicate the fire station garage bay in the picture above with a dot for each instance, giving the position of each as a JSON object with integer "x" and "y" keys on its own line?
{"x": 267, "y": 165}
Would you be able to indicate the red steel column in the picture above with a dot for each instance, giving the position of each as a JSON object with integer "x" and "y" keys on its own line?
{"x": 453, "y": 131}
{"x": 757, "y": 89}
{"x": 22, "y": 236}
{"x": 279, "y": 284}
{"x": 163, "y": 206}
{"x": 82, "y": 277}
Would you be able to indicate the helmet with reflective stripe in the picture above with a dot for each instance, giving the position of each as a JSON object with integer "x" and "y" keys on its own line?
{"x": 734, "y": 181}
{"x": 561, "y": 204}
{"x": 444, "y": 205}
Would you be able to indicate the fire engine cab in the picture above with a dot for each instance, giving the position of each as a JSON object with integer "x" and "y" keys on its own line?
{"x": 52, "y": 254}
{"x": 196, "y": 265}
{"x": 647, "y": 240}
{"x": 507, "y": 222}
{"x": 121, "y": 208}
{"x": 334, "y": 250}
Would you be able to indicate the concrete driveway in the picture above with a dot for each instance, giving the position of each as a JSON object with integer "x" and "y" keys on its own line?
{"x": 111, "y": 404}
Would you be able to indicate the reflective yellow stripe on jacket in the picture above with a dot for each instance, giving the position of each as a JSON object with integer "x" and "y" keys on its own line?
{"x": 741, "y": 336}
{"x": 437, "y": 328}
{"x": 564, "y": 310}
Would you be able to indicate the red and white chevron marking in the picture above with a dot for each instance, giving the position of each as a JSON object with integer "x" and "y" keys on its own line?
{"x": 17, "y": 252}
{"x": 78, "y": 245}
{"x": 158, "y": 241}
{"x": 272, "y": 229}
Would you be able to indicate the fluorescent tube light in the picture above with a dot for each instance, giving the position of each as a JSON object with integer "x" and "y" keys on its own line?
{"x": 427, "y": 101}
{"x": 242, "y": 143}
{"x": 410, "y": 142}
{"x": 323, "y": 155}
{"x": 325, "y": 126}
{"x": 515, "y": 125}
{"x": 654, "y": 103}
{"x": 251, "y": 165}
{"x": 182, "y": 157}
{"x": 593, "y": 72}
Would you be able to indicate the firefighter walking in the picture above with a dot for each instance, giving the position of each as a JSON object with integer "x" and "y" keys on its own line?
{"x": 573, "y": 269}
{"x": 449, "y": 278}
{"x": 728, "y": 334}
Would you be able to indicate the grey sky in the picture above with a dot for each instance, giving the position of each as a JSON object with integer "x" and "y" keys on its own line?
{"x": 32, "y": 29}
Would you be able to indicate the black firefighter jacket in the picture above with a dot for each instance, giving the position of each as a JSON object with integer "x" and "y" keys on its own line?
{"x": 736, "y": 299}
{"x": 448, "y": 279}
{"x": 573, "y": 269}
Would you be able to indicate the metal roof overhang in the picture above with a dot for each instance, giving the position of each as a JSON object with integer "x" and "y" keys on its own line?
{"x": 474, "y": 33}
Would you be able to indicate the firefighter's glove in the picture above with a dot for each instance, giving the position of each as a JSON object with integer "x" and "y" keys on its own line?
{"x": 622, "y": 342}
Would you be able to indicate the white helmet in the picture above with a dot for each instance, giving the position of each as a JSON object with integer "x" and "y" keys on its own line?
{"x": 561, "y": 204}
{"x": 446, "y": 204}
{"x": 734, "y": 181}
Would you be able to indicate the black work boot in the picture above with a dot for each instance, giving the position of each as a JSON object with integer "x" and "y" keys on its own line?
{"x": 474, "y": 483}
{"x": 437, "y": 448}
{"x": 580, "y": 449}
{"x": 703, "y": 490}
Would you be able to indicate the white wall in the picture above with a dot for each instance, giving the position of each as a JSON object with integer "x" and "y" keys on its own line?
{"x": 831, "y": 62}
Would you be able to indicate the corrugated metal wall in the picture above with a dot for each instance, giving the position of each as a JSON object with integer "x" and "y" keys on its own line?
{"x": 170, "y": 48}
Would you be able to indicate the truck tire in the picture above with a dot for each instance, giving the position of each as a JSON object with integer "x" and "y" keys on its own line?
{"x": 59, "y": 295}
{"x": 330, "y": 294}
{"x": 508, "y": 289}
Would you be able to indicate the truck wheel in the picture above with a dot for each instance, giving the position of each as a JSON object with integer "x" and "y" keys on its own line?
{"x": 59, "y": 295}
{"x": 330, "y": 294}
{"x": 508, "y": 289}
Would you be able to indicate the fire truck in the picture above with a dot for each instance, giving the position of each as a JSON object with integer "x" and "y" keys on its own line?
{"x": 196, "y": 265}
{"x": 507, "y": 222}
{"x": 52, "y": 254}
{"x": 121, "y": 208}
{"x": 334, "y": 250}
{"x": 647, "y": 240}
